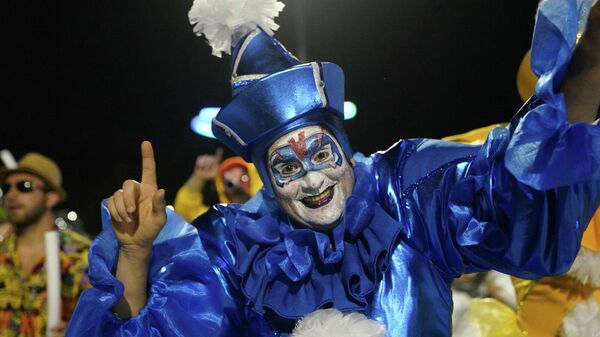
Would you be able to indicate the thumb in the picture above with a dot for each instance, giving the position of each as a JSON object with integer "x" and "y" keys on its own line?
{"x": 158, "y": 202}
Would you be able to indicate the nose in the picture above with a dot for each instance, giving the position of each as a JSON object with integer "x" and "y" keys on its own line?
{"x": 312, "y": 182}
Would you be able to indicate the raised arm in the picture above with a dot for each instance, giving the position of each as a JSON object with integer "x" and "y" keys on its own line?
{"x": 521, "y": 202}
{"x": 166, "y": 282}
{"x": 138, "y": 214}
{"x": 582, "y": 84}
{"x": 189, "y": 201}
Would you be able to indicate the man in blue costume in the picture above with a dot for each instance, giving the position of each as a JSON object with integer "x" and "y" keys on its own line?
{"x": 379, "y": 238}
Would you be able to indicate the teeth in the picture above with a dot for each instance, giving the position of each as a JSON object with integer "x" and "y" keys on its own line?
{"x": 319, "y": 200}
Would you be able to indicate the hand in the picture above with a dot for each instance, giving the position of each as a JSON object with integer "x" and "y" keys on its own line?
{"x": 592, "y": 33}
{"x": 57, "y": 330}
{"x": 207, "y": 166}
{"x": 138, "y": 209}
{"x": 581, "y": 84}
{"x": 6, "y": 229}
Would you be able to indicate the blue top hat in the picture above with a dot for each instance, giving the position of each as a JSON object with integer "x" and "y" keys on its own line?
{"x": 273, "y": 94}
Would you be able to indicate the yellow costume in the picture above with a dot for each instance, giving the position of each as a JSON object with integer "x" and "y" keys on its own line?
{"x": 190, "y": 204}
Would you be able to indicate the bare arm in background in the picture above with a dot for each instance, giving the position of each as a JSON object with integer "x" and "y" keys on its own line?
{"x": 206, "y": 168}
{"x": 582, "y": 84}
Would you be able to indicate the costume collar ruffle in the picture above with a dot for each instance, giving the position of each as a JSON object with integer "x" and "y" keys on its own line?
{"x": 293, "y": 271}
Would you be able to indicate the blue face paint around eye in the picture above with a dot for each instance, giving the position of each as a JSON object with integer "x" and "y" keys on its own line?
{"x": 294, "y": 161}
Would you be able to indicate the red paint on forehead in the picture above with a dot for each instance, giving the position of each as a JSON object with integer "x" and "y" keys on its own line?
{"x": 299, "y": 147}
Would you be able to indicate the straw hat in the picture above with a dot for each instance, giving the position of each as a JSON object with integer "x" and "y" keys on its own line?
{"x": 41, "y": 166}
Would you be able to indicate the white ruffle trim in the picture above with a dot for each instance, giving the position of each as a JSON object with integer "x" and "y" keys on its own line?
{"x": 224, "y": 22}
{"x": 582, "y": 321}
{"x": 586, "y": 268}
{"x": 333, "y": 323}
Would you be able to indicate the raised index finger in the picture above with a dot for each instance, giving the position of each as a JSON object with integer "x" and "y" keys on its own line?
{"x": 148, "y": 164}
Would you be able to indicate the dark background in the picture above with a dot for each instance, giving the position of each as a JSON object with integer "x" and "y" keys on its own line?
{"x": 85, "y": 82}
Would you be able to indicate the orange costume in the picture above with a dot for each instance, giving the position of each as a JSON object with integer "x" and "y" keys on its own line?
{"x": 190, "y": 204}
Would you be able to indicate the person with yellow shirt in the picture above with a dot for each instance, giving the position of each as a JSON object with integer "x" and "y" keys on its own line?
{"x": 234, "y": 179}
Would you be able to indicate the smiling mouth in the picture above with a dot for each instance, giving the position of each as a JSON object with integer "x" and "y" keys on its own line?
{"x": 320, "y": 200}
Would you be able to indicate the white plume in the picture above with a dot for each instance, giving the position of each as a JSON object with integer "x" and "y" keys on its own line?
{"x": 582, "y": 321}
{"x": 333, "y": 323}
{"x": 586, "y": 268}
{"x": 224, "y": 22}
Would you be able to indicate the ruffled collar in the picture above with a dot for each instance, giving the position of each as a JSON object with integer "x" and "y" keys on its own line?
{"x": 290, "y": 271}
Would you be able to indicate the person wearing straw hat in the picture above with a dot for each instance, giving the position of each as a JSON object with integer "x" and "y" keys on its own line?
{"x": 338, "y": 243}
{"x": 30, "y": 192}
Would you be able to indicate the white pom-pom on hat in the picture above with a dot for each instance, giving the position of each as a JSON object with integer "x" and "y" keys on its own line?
{"x": 333, "y": 323}
{"x": 224, "y": 22}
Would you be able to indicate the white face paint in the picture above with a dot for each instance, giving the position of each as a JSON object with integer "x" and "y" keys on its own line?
{"x": 311, "y": 177}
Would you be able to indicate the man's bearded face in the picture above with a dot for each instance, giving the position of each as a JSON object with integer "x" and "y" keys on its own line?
{"x": 25, "y": 208}
{"x": 311, "y": 177}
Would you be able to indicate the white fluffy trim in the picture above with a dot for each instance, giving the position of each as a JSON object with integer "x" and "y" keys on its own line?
{"x": 582, "y": 321}
{"x": 586, "y": 268}
{"x": 224, "y": 22}
{"x": 333, "y": 323}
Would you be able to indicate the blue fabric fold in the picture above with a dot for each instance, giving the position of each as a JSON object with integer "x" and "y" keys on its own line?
{"x": 184, "y": 293}
{"x": 291, "y": 271}
{"x": 543, "y": 138}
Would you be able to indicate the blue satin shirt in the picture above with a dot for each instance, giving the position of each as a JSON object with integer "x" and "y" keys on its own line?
{"x": 421, "y": 214}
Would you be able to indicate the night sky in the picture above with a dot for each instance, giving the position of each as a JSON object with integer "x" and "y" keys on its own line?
{"x": 87, "y": 81}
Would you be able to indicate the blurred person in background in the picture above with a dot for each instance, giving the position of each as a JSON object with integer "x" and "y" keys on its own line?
{"x": 30, "y": 193}
{"x": 233, "y": 179}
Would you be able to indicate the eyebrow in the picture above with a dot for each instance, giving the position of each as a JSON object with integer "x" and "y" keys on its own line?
{"x": 277, "y": 157}
{"x": 318, "y": 140}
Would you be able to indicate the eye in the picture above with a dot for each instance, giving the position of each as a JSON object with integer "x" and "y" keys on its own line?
{"x": 321, "y": 156}
{"x": 288, "y": 169}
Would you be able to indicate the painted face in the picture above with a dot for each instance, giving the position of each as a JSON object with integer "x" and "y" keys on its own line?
{"x": 310, "y": 176}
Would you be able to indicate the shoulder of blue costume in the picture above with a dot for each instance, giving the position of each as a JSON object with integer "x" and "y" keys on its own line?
{"x": 410, "y": 160}
{"x": 217, "y": 227}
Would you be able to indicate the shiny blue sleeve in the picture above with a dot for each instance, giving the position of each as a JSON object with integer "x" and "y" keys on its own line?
{"x": 519, "y": 203}
{"x": 185, "y": 294}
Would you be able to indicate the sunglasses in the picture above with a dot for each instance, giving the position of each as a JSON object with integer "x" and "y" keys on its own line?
{"x": 23, "y": 186}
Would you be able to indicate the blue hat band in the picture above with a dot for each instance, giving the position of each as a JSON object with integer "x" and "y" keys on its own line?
{"x": 276, "y": 100}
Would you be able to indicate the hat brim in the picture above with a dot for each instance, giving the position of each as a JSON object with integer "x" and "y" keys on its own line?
{"x": 4, "y": 172}
{"x": 276, "y": 100}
